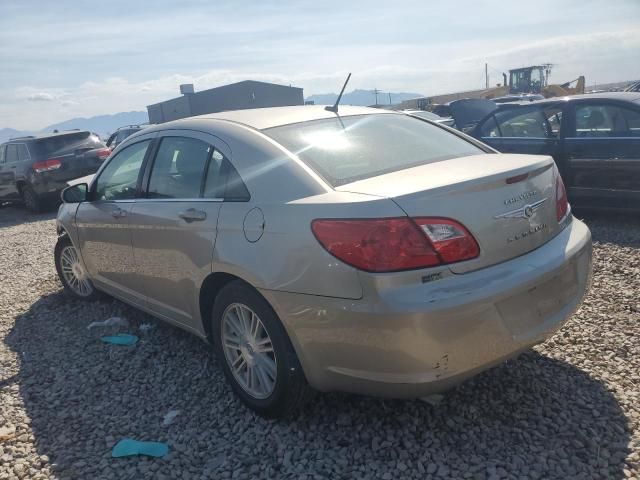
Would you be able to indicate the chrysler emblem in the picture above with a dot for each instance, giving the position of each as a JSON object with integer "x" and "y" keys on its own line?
{"x": 526, "y": 211}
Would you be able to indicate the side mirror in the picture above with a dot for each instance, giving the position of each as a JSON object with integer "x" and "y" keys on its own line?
{"x": 75, "y": 193}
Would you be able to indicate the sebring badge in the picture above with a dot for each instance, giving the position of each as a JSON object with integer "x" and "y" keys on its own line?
{"x": 525, "y": 211}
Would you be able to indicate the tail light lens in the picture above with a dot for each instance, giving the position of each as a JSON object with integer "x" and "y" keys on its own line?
{"x": 395, "y": 244}
{"x": 562, "y": 204}
{"x": 103, "y": 153}
{"x": 47, "y": 165}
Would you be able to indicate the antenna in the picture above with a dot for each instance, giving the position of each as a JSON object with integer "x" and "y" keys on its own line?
{"x": 334, "y": 108}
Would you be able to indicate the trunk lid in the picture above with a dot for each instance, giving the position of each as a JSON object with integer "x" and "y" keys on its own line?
{"x": 489, "y": 194}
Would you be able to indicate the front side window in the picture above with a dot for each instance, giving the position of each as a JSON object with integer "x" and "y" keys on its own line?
{"x": 119, "y": 178}
{"x": 346, "y": 149}
{"x": 607, "y": 121}
{"x": 530, "y": 123}
{"x": 179, "y": 168}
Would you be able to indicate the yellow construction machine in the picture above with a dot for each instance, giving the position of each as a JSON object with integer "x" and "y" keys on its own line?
{"x": 533, "y": 79}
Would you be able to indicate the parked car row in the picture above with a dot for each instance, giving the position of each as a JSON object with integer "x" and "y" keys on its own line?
{"x": 349, "y": 249}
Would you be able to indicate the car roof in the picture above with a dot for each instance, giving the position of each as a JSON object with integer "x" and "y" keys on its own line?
{"x": 41, "y": 136}
{"x": 628, "y": 96}
{"x": 263, "y": 118}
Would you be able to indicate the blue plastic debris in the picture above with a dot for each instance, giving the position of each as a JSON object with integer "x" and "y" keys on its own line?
{"x": 120, "y": 339}
{"x": 129, "y": 447}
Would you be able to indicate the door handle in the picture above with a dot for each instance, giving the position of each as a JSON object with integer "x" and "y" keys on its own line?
{"x": 118, "y": 213}
{"x": 193, "y": 215}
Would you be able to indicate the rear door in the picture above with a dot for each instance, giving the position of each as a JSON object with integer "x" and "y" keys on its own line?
{"x": 603, "y": 154}
{"x": 103, "y": 224}
{"x": 533, "y": 130}
{"x": 174, "y": 227}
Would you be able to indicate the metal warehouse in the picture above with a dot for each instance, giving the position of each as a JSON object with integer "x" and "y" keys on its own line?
{"x": 235, "y": 96}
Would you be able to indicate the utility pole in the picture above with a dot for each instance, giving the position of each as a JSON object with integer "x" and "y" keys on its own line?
{"x": 486, "y": 76}
{"x": 376, "y": 91}
{"x": 389, "y": 98}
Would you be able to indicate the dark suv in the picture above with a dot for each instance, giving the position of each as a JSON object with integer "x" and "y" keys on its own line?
{"x": 35, "y": 169}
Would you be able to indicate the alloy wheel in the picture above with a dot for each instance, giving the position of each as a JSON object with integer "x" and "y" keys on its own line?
{"x": 74, "y": 273}
{"x": 248, "y": 350}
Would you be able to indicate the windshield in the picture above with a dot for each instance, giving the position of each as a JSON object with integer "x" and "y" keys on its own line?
{"x": 347, "y": 149}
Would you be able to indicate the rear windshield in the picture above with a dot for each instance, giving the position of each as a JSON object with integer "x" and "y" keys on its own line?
{"x": 70, "y": 141}
{"x": 346, "y": 149}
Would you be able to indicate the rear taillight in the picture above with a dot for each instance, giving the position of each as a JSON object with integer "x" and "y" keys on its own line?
{"x": 394, "y": 244}
{"x": 562, "y": 204}
{"x": 103, "y": 153}
{"x": 47, "y": 165}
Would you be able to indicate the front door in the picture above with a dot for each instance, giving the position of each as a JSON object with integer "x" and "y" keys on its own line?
{"x": 103, "y": 224}
{"x": 603, "y": 155}
{"x": 174, "y": 227}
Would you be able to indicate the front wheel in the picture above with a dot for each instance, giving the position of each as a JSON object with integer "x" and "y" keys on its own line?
{"x": 72, "y": 273}
{"x": 255, "y": 352}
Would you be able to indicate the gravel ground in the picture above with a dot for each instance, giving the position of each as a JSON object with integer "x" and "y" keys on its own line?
{"x": 569, "y": 408}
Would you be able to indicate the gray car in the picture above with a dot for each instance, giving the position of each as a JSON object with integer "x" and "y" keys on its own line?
{"x": 366, "y": 251}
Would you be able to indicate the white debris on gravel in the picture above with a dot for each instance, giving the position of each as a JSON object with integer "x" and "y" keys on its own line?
{"x": 170, "y": 417}
{"x": 569, "y": 408}
{"x": 110, "y": 322}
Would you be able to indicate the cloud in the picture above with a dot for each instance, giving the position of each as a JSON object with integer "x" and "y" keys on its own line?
{"x": 41, "y": 97}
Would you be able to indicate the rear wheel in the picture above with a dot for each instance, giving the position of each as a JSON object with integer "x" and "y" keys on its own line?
{"x": 255, "y": 352}
{"x": 72, "y": 273}
{"x": 31, "y": 199}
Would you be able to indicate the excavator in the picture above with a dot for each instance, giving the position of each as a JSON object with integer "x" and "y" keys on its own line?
{"x": 533, "y": 79}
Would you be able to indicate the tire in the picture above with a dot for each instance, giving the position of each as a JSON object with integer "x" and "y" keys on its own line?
{"x": 31, "y": 199}
{"x": 83, "y": 289}
{"x": 289, "y": 389}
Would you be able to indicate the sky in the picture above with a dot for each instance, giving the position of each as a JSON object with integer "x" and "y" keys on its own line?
{"x": 72, "y": 58}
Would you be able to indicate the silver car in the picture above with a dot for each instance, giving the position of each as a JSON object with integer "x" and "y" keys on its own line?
{"x": 366, "y": 251}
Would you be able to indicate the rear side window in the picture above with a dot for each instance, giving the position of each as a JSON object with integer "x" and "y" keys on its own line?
{"x": 179, "y": 167}
{"x": 65, "y": 142}
{"x": 23, "y": 152}
{"x": 346, "y": 149}
{"x": 607, "y": 121}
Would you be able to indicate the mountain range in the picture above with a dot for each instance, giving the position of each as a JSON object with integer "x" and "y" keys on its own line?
{"x": 103, "y": 125}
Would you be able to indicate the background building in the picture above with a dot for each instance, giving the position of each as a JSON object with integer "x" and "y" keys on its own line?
{"x": 236, "y": 96}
